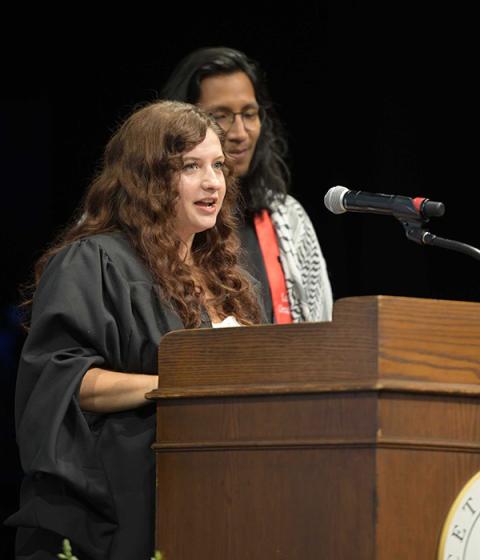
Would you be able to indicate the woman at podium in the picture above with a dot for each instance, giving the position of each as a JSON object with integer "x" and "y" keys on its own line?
{"x": 153, "y": 249}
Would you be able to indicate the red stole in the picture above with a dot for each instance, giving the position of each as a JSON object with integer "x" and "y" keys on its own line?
{"x": 267, "y": 239}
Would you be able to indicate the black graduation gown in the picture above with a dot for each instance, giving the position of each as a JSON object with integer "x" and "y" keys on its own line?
{"x": 252, "y": 261}
{"x": 89, "y": 477}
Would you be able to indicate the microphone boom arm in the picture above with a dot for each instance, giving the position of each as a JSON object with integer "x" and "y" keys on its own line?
{"x": 416, "y": 231}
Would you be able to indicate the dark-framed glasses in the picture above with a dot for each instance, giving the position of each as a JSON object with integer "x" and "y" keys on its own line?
{"x": 225, "y": 119}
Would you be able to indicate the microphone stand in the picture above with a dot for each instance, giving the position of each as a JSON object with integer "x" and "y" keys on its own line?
{"x": 415, "y": 230}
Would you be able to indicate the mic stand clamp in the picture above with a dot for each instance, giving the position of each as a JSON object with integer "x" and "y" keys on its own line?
{"x": 415, "y": 230}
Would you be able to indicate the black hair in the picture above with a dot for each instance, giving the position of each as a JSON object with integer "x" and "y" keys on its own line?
{"x": 268, "y": 177}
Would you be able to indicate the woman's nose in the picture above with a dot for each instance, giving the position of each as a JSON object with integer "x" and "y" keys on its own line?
{"x": 212, "y": 179}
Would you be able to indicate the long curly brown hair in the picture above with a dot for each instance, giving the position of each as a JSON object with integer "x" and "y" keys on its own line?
{"x": 135, "y": 192}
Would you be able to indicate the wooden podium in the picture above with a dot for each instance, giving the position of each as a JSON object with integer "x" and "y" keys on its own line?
{"x": 340, "y": 441}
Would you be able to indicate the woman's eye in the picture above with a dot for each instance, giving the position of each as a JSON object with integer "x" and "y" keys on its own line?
{"x": 219, "y": 165}
{"x": 190, "y": 166}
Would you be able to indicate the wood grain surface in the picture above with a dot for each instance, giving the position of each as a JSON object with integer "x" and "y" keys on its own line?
{"x": 347, "y": 440}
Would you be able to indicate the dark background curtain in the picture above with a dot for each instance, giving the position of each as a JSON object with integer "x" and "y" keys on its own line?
{"x": 373, "y": 98}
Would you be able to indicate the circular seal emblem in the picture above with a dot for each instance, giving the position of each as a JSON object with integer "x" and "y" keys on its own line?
{"x": 460, "y": 538}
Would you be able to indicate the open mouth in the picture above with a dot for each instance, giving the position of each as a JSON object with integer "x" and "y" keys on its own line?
{"x": 206, "y": 203}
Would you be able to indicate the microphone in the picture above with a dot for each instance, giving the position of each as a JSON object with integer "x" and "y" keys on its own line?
{"x": 413, "y": 213}
{"x": 340, "y": 199}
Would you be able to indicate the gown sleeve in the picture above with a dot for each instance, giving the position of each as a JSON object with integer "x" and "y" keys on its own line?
{"x": 80, "y": 319}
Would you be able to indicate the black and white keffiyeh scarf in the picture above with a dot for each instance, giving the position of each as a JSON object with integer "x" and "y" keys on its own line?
{"x": 308, "y": 285}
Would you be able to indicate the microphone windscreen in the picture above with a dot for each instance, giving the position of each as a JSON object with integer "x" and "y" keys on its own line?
{"x": 334, "y": 199}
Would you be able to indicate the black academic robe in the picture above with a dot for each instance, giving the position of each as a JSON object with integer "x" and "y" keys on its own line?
{"x": 89, "y": 477}
{"x": 252, "y": 261}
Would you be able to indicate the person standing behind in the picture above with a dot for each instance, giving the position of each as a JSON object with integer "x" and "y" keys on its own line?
{"x": 282, "y": 250}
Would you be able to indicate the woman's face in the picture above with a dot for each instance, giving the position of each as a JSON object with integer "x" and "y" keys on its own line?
{"x": 201, "y": 188}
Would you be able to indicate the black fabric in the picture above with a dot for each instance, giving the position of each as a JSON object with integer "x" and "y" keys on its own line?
{"x": 252, "y": 261}
{"x": 89, "y": 477}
